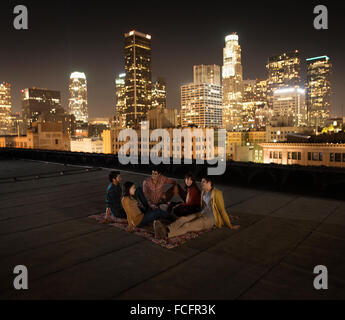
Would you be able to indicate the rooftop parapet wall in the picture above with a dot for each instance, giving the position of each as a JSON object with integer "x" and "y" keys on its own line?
{"x": 316, "y": 181}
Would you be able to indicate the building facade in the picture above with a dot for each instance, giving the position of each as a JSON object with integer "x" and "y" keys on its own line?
{"x": 289, "y": 107}
{"x": 120, "y": 99}
{"x": 232, "y": 80}
{"x": 159, "y": 94}
{"x": 36, "y": 101}
{"x": 89, "y": 145}
{"x": 305, "y": 154}
{"x": 207, "y": 74}
{"x": 283, "y": 71}
{"x": 5, "y": 109}
{"x": 201, "y": 102}
{"x": 138, "y": 79}
{"x": 78, "y": 97}
{"x": 97, "y": 126}
{"x": 162, "y": 118}
{"x": 202, "y": 148}
{"x": 201, "y": 105}
{"x": 45, "y": 136}
{"x": 319, "y": 92}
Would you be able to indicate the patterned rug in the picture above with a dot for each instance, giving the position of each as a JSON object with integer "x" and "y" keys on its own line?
{"x": 148, "y": 233}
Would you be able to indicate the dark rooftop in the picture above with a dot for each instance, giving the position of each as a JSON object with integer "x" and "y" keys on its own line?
{"x": 44, "y": 225}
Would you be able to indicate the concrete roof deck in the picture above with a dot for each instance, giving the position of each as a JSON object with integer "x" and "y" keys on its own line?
{"x": 44, "y": 226}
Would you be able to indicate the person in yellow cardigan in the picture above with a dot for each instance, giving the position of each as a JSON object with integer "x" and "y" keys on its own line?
{"x": 139, "y": 215}
{"x": 213, "y": 213}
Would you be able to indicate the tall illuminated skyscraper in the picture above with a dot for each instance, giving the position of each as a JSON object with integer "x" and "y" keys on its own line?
{"x": 201, "y": 102}
{"x": 232, "y": 83}
{"x": 319, "y": 71}
{"x": 159, "y": 94}
{"x": 138, "y": 80}
{"x": 78, "y": 97}
{"x": 283, "y": 72}
{"x": 5, "y": 108}
{"x": 120, "y": 95}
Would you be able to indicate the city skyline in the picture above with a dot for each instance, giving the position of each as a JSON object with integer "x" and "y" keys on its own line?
{"x": 101, "y": 91}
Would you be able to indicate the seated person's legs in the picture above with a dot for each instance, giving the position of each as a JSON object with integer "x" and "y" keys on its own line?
{"x": 153, "y": 215}
{"x": 183, "y": 225}
{"x": 183, "y": 210}
{"x": 120, "y": 213}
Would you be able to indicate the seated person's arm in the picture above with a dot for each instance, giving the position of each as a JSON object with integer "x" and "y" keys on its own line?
{"x": 147, "y": 193}
{"x": 169, "y": 181}
{"x": 221, "y": 206}
{"x": 108, "y": 202}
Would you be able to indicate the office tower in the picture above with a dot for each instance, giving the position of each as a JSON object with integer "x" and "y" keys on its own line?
{"x": 5, "y": 109}
{"x": 138, "y": 77}
{"x": 120, "y": 94}
{"x": 78, "y": 97}
{"x": 232, "y": 83}
{"x": 201, "y": 103}
{"x": 162, "y": 118}
{"x": 283, "y": 72}
{"x": 289, "y": 107}
{"x": 318, "y": 90}
{"x": 207, "y": 74}
{"x": 260, "y": 91}
{"x": 66, "y": 120}
{"x": 17, "y": 127}
{"x": 36, "y": 101}
{"x": 159, "y": 94}
{"x": 254, "y": 97}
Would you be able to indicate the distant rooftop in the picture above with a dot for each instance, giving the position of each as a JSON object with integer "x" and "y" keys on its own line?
{"x": 318, "y": 58}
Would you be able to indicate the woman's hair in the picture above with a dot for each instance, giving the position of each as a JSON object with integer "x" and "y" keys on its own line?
{"x": 191, "y": 176}
{"x": 126, "y": 186}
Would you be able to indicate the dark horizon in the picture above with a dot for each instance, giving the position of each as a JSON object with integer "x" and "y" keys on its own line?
{"x": 79, "y": 36}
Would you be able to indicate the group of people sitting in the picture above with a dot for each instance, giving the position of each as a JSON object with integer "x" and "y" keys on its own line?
{"x": 141, "y": 206}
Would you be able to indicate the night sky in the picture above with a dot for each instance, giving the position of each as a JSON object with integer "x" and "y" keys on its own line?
{"x": 67, "y": 36}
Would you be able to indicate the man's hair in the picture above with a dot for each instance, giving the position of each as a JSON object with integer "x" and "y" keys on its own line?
{"x": 113, "y": 175}
{"x": 126, "y": 186}
{"x": 209, "y": 179}
{"x": 157, "y": 170}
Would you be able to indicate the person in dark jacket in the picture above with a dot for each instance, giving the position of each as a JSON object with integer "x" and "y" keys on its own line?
{"x": 113, "y": 198}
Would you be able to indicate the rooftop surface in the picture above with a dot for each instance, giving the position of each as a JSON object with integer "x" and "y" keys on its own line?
{"x": 44, "y": 225}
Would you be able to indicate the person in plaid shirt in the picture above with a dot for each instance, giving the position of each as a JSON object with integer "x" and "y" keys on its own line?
{"x": 153, "y": 188}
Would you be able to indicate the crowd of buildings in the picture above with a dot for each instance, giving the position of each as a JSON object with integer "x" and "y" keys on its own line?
{"x": 262, "y": 117}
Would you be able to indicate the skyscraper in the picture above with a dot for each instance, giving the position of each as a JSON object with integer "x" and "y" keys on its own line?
{"x": 120, "y": 95}
{"x": 5, "y": 108}
{"x": 159, "y": 94}
{"x": 78, "y": 97}
{"x": 254, "y": 98}
{"x": 232, "y": 83}
{"x": 201, "y": 103}
{"x": 207, "y": 74}
{"x": 318, "y": 90}
{"x": 289, "y": 107}
{"x": 138, "y": 77}
{"x": 283, "y": 72}
{"x": 36, "y": 101}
